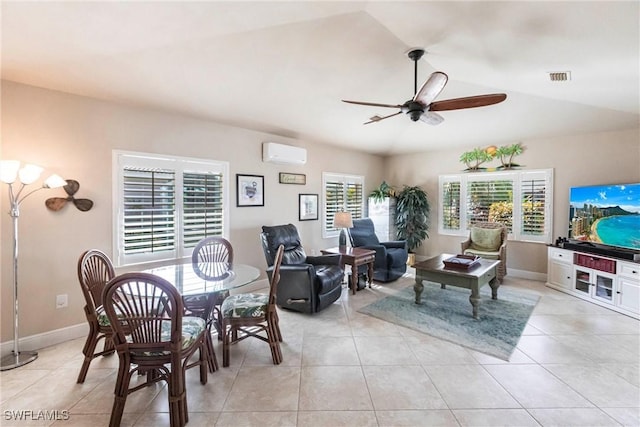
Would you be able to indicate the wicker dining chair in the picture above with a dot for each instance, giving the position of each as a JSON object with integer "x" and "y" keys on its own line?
{"x": 248, "y": 315}
{"x": 152, "y": 336}
{"x": 94, "y": 271}
{"x": 212, "y": 259}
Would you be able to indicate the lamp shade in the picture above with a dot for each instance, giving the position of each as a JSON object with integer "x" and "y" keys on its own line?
{"x": 29, "y": 174}
{"x": 54, "y": 181}
{"x": 342, "y": 220}
{"x": 9, "y": 170}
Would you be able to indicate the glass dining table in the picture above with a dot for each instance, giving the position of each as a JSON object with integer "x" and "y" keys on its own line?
{"x": 206, "y": 277}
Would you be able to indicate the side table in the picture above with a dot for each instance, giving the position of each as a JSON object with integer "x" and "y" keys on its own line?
{"x": 355, "y": 257}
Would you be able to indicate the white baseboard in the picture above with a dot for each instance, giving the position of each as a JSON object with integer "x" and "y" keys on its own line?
{"x": 529, "y": 275}
{"x": 46, "y": 339}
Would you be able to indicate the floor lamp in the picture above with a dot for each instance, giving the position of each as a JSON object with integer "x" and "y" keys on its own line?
{"x": 10, "y": 171}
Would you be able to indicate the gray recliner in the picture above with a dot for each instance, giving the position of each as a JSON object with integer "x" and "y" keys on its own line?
{"x": 307, "y": 283}
{"x": 391, "y": 257}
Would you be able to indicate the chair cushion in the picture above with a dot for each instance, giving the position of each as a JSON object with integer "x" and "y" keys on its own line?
{"x": 288, "y": 236}
{"x": 103, "y": 320}
{"x": 486, "y": 239}
{"x": 192, "y": 327}
{"x": 363, "y": 233}
{"x": 245, "y": 305}
{"x": 483, "y": 254}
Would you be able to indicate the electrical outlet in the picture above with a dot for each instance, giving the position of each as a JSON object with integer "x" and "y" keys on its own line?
{"x": 62, "y": 301}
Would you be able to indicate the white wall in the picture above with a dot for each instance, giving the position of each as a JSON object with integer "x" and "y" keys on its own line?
{"x": 608, "y": 157}
{"x": 74, "y": 137}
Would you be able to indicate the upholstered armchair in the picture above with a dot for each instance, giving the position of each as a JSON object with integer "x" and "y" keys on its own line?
{"x": 488, "y": 240}
{"x": 307, "y": 283}
{"x": 391, "y": 257}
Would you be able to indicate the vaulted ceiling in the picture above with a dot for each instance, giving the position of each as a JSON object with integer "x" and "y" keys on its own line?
{"x": 283, "y": 67}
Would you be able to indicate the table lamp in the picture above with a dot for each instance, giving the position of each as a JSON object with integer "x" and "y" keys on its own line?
{"x": 342, "y": 220}
{"x": 12, "y": 174}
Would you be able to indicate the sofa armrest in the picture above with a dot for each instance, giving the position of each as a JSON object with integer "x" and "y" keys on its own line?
{"x": 296, "y": 289}
{"x": 503, "y": 252}
{"x": 381, "y": 255}
{"x": 465, "y": 245}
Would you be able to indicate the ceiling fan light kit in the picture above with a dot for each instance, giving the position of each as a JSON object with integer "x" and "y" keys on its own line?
{"x": 422, "y": 106}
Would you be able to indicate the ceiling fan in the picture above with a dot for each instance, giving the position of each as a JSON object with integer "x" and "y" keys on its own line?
{"x": 422, "y": 106}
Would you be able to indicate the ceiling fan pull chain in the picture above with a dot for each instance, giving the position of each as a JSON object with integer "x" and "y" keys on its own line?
{"x": 415, "y": 77}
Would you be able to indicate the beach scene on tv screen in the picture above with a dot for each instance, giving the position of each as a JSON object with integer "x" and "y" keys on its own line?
{"x": 608, "y": 214}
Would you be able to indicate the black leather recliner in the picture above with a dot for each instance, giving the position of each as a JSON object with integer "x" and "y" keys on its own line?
{"x": 307, "y": 283}
{"x": 391, "y": 257}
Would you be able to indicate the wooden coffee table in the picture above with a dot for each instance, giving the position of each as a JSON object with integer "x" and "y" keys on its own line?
{"x": 475, "y": 278}
{"x": 355, "y": 257}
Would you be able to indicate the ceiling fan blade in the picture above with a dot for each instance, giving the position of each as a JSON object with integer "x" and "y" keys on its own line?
{"x": 373, "y": 104}
{"x": 467, "y": 102}
{"x": 431, "y": 88}
{"x": 377, "y": 118}
{"x": 431, "y": 118}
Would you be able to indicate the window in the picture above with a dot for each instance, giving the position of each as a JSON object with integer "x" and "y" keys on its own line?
{"x": 521, "y": 200}
{"x": 165, "y": 205}
{"x": 341, "y": 193}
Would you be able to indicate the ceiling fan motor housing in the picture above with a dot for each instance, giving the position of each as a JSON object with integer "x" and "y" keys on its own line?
{"x": 415, "y": 110}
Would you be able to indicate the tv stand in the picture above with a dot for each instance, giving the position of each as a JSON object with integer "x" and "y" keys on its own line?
{"x": 608, "y": 281}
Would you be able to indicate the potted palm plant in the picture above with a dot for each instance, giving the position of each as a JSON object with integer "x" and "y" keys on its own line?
{"x": 412, "y": 217}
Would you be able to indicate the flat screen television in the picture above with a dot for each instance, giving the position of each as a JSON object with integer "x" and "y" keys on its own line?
{"x": 606, "y": 214}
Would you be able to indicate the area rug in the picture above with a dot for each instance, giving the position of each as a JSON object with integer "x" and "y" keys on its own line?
{"x": 447, "y": 314}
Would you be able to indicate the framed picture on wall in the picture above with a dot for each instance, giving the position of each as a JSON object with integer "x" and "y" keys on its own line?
{"x": 308, "y": 207}
{"x": 250, "y": 190}
{"x": 293, "y": 178}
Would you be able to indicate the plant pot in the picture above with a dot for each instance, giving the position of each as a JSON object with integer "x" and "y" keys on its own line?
{"x": 411, "y": 259}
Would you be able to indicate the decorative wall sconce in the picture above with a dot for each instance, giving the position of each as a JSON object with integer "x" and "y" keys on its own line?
{"x": 12, "y": 174}
{"x": 72, "y": 187}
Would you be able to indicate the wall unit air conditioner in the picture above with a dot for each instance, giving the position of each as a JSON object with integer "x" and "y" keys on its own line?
{"x": 280, "y": 153}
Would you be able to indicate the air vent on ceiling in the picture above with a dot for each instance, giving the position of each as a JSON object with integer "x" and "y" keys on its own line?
{"x": 560, "y": 76}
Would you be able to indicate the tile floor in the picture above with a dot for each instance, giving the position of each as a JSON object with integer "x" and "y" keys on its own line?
{"x": 577, "y": 364}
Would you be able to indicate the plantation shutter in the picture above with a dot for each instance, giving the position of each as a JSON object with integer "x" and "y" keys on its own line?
{"x": 164, "y": 205}
{"x": 341, "y": 193}
{"x": 490, "y": 200}
{"x": 334, "y": 201}
{"x": 521, "y": 200}
{"x": 354, "y": 199}
{"x": 450, "y": 191}
{"x": 203, "y": 206}
{"x": 535, "y": 202}
{"x": 148, "y": 210}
